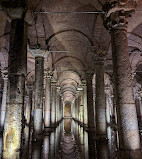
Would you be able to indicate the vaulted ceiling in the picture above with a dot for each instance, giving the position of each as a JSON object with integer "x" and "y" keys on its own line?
{"x": 71, "y": 38}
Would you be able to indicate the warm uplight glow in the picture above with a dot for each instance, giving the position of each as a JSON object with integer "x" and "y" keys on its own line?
{"x": 10, "y": 143}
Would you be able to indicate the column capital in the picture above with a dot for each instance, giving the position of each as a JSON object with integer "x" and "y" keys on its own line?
{"x": 83, "y": 83}
{"x": 4, "y": 73}
{"x": 39, "y": 52}
{"x": 117, "y": 12}
{"x": 53, "y": 83}
{"x": 13, "y": 8}
{"x": 47, "y": 74}
{"x": 99, "y": 54}
{"x": 108, "y": 89}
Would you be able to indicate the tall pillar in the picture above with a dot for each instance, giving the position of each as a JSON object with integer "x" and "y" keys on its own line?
{"x": 90, "y": 105}
{"x": 85, "y": 118}
{"x": 100, "y": 104}
{"x": 53, "y": 106}
{"x": 4, "y": 97}
{"x": 128, "y": 131}
{"x": 38, "y": 108}
{"x": 38, "y": 101}
{"x": 76, "y": 108}
{"x": 16, "y": 85}
{"x": 47, "y": 109}
{"x": 81, "y": 109}
{"x": 57, "y": 105}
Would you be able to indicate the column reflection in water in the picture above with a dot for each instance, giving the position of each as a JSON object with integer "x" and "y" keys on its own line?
{"x": 86, "y": 145}
{"x": 25, "y": 151}
{"x": 82, "y": 139}
{"x": 91, "y": 145}
{"x": 36, "y": 149}
{"x": 57, "y": 134}
{"x": 46, "y": 145}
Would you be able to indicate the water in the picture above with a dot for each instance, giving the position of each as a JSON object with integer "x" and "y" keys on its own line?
{"x": 70, "y": 141}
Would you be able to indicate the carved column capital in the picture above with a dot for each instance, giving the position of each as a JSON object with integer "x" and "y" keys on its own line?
{"x": 83, "y": 83}
{"x": 38, "y": 52}
{"x": 4, "y": 73}
{"x": 99, "y": 55}
{"x": 116, "y": 14}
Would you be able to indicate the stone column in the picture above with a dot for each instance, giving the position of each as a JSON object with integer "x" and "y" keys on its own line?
{"x": 47, "y": 109}
{"x": 29, "y": 105}
{"x": 38, "y": 109}
{"x": 100, "y": 103}
{"x": 85, "y": 118}
{"x": 16, "y": 85}
{"x": 57, "y": 105}
{"x": 4, "y": 97}
{"x": 76, "y": 108}
{"x": 108, "y": 105}
{"x": 39, "y": 78}
{"x": 90, "y": 105}
{"x": 53, "y": 106}
{"x": 81, "y": 109}
{"x": 61, "y": 103}
{"x": 128, "y": 131}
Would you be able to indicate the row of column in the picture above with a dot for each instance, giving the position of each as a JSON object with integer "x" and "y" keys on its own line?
{"x": 14, "y": 109}
{"x": 116, "y": 22}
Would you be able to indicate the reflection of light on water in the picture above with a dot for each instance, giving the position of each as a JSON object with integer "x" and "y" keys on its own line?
{"x": 109, "y": 135}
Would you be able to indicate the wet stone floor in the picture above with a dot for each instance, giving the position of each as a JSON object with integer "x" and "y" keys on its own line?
{"x": 70, "y": 141}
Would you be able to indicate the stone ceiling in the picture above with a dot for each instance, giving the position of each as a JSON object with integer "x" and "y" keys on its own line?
{"x": 72, "y": 37}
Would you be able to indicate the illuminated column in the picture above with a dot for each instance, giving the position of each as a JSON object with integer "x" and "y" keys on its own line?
{"x": 76, "y": 109}
{"x": 39, "y": 77}
{"x": 57, "y": 105}
{"x": 128, "y": 131}
{"x": 61, "y": 109}
{"x": 85, "y": 118}
{"x": 81, "y": 109}
{"x": 47, "y": 108}
{"x": 108, "y": 105}
{"x": 16, "y": 86}
{"x": 53, "y": 106}
{"x": 73, "y": 109}
{"x": 100, "y": 103}
{"x": 4, "y": 97}
{"x": 90, "y": 105}
{"x": 29, "y": 105}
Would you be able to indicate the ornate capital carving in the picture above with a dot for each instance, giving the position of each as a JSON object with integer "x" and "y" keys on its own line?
{"x": 117, "y": 12}
{"x": 99, "y": 55}
{"x": 83, "y": 83}
{"x": 4, "y": 73}
{"x": 39, "y": 52}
